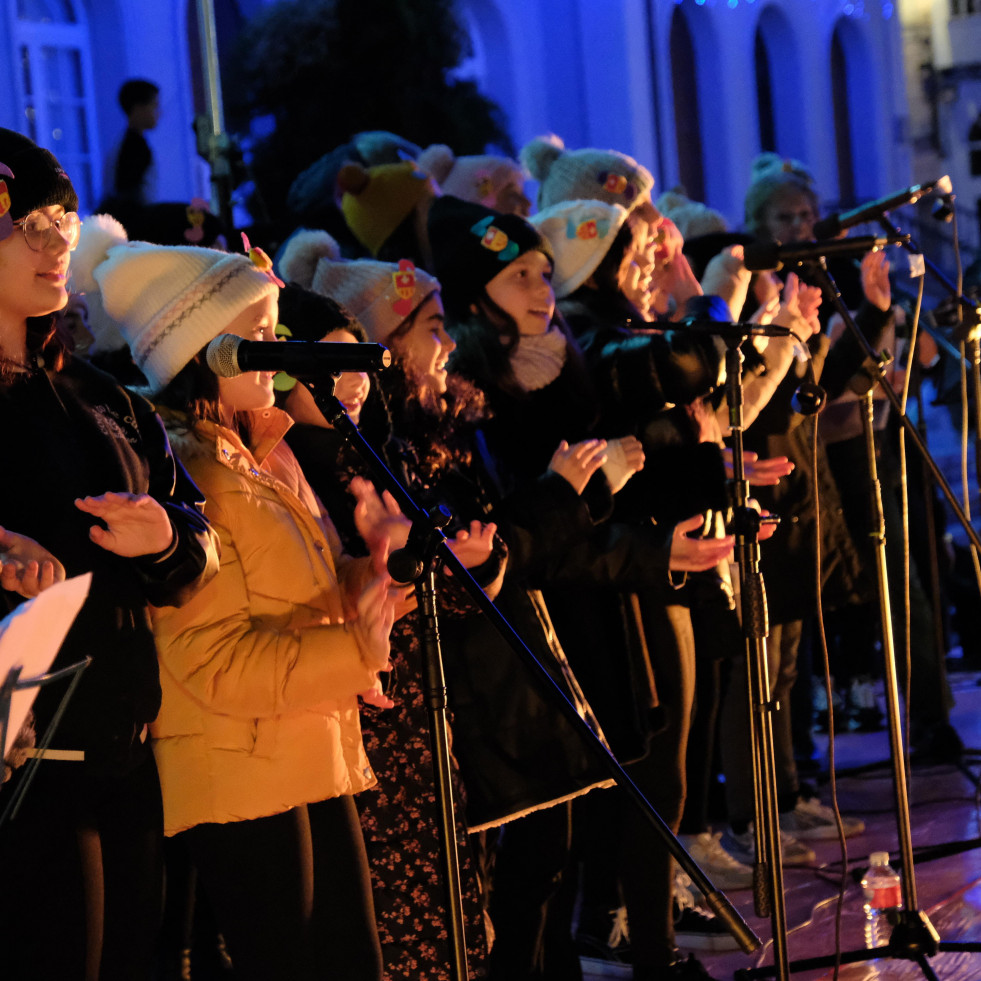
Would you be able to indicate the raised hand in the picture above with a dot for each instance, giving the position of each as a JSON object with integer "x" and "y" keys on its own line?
{"x": 473, "y": 547}
{"x": 760, "y": 473}
{"x": 726, "y": 275}
{"x": 26, "y": 567}
{"x": 377, "y": 516}
{"x": 577, "y": 463}
{"x": 875, "y": 279}
{"x": 697, "y": 554}
{"x": 625, "y": 457}
{"x": 136, "y": 524}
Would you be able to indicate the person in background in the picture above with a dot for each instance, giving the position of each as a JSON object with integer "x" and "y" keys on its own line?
{"x": 130, "y": 176}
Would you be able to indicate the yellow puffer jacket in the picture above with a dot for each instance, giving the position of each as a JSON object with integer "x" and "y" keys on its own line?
{"x": 259, "y": 672}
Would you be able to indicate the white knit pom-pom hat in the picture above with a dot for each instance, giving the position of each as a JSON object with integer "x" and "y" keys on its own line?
{"x": 169, "y": 301}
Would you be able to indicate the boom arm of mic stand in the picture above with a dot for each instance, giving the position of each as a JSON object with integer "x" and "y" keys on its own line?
{"x": 970, "y": 331}
{"x": 334, "y": 412}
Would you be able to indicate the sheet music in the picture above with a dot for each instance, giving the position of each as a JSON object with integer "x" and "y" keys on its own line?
{"x": 30, "y": 637}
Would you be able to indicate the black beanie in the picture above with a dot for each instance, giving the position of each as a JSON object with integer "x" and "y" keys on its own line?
{"x": 309, "y": 316}
{"x": 471, "y": 244}
{"x": 38, "y": 180}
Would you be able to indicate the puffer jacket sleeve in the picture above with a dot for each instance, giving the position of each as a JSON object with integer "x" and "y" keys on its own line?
{"x": 171, "y": 577}
{"x": 246, "y": 668}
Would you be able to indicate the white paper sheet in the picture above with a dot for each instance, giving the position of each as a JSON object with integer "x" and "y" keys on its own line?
{"x": 30, "y": 637}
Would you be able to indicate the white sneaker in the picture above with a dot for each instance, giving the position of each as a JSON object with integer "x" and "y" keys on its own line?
{"x": 810, "y": 820}
{"x": 743, "y": 847}
{"x": 725, "y": 871}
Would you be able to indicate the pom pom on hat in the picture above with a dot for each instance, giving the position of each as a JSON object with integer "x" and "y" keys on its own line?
{"x": 585, "y": 175}
{"x": 438, "y": 161}
{"x": 100, "y": 233}
{"x": 379, "y": 294}
{"x": 376, "y": 200}
{"x": 478, "y": 179}
{"x": 540, "y": 154}
{"x": 581, "y": 233}
{"x": 304, "y": 249}
{"x": 471, "y": 244}
{"x": 169, "y": 301}
{"x": 692, "y": 218}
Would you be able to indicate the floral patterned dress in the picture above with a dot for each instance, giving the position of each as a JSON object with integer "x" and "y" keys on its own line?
{"x": 400, "y": 817}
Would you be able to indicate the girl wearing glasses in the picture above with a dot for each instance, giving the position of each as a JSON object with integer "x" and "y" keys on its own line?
{"x": 91, "y": 479}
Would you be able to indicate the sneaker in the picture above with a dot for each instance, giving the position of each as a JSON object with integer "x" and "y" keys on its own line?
{"x": 810, "y": 820}
{"x": 743, "y": 848}
{"x": 694, "y": 926}
{"x": 725, "y": 872}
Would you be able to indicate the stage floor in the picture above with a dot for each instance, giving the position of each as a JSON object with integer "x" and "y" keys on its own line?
{"x": 945, "y": 807}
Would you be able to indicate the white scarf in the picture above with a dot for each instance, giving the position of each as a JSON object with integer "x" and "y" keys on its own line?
{"x": 537, "y": 359}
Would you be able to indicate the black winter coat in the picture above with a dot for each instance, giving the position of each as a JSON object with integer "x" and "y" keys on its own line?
{"x": 74, "y": 433}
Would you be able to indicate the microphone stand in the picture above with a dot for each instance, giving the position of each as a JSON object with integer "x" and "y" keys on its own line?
{"x": 968, "y": 330}
{"x": 913, "y": 937}
{"x": 768, "y": 894}
{"x": 426, "y": 529}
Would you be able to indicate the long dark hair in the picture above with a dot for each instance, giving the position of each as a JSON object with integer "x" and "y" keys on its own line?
{"x": 440, "y": 427}
{"x": 485, "y": 337}
{"x": 194, "y": 391}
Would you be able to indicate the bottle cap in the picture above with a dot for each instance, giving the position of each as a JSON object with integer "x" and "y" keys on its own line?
{"x": 879, "y": 858}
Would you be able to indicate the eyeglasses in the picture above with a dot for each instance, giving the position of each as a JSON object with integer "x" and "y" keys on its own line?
{"x": 37, "y": 229}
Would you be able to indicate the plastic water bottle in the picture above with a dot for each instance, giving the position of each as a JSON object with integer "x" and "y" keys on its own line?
{"x": 883, "y": 899}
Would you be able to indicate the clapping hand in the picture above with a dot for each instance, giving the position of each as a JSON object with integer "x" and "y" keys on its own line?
{"x": 26, "y": 567}
{"x": 136, "y": 524}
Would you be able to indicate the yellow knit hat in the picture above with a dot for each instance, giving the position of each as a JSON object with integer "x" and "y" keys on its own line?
{"x": 377, "y": 200}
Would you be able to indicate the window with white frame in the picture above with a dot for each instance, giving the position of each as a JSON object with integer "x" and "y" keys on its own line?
{"x": 55, "y": 87}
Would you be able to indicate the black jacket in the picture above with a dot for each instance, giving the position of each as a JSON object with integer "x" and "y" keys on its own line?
{"x": 71, "y": 434}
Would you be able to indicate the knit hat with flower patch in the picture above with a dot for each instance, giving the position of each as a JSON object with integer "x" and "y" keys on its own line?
{"x": 379, "y": 295}
{"x": 581, "y": 233}
{"x": 376, "y": 200}
{"x": 169, "y": 301}
{"x": 476, "y": 179}
{"x": 471, "y": 244}
{"x": 30, "y": 178}
{"x": 584, "y": 175}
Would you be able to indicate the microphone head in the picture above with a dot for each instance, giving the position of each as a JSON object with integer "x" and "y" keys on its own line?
{"x": 222, "y": 355}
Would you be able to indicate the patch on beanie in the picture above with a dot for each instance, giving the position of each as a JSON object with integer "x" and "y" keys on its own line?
{"x": 492, "y": 238}
{"x": 615, "y": 183}
{"x": 6, "y": 222}
{"x": 588, "y": 229}
{"x": 404, "y": 279}
{"x": 260, "y": 260}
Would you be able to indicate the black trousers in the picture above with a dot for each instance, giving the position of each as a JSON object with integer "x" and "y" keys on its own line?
{"x": 291, "y": 893}
{"x": 81, "y": 875}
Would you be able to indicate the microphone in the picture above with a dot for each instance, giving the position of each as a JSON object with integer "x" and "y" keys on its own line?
{"x": 729, "y": 330}
{"x": 230, "y": 355}
{"x": 834, "y": 224}
{"x": 760, "y": 256}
